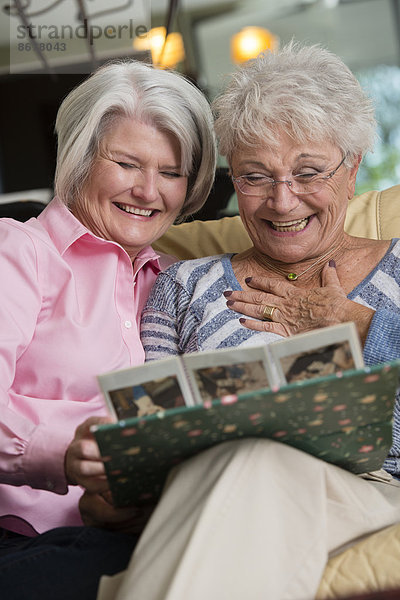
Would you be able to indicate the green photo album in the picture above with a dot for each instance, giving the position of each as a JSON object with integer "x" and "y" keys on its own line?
{"x": 341, "y": 415}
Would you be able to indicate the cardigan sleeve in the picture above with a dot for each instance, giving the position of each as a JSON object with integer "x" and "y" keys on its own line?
{"x": 383, "y": 339}
{"x": 163, "y": 317}
{"x": 383, "y": 345}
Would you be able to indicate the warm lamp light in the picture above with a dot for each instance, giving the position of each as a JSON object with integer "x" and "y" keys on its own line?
{"x": 250, "y": 41}
{"x": 163, "y": 56}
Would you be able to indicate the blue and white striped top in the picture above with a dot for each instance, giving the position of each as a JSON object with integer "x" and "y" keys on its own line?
{"x": 187, "y": 312}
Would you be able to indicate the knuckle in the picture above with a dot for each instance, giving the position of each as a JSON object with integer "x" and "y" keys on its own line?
{"x": 83, "y": 469}
{"x": 259, "y": 298}
{"x": 86, "y": 448}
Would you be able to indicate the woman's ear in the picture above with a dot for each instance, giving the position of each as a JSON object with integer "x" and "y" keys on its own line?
{"x": 351, "y": 184}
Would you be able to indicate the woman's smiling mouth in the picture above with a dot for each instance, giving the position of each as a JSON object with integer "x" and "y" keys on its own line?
{"x": 297, "y": 225}
{"x": 142, "y": 212}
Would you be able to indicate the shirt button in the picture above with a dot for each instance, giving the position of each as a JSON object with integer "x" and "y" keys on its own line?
{"x": 128, "y": 324}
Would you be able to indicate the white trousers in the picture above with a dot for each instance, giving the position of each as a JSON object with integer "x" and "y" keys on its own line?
{"x": 252, "y": 519}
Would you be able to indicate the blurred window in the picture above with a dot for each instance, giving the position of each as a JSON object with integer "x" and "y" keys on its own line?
{"x": 381, "y": 168}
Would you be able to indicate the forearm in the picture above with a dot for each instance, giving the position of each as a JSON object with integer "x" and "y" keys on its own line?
{"x": 33, "y": 444}
{"x": 32, "y": 454}
{"x": 158, "y": 335}
{"x": 160, "y": 321}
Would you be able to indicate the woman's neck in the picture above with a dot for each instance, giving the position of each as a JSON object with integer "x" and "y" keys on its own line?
{"x": 302, "y": 272}
{"x": 354, "y": 259}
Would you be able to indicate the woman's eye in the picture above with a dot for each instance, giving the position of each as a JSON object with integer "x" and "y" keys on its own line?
{"x": 126, "y": 165}
{"x": 171, "y": 174}
{"x": 254, "y": 179}
{"x": 307, "y": 175}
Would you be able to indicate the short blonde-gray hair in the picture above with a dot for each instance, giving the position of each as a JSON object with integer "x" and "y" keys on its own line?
{"x": 128, "y": 88}
{"x": 306, "y": 91}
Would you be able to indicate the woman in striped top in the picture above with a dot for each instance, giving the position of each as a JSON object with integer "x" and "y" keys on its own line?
{"x": 254, "y": 518}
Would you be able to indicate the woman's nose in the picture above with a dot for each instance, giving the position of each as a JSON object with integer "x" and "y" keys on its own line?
{"x": 145, "y": 186}
{"x": 281, "y": 198}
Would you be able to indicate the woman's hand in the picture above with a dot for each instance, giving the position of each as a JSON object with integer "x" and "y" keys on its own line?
{"x": 97, "y": 511}
{"x": 298, "y": 309}
{"x": 83, "y": 463}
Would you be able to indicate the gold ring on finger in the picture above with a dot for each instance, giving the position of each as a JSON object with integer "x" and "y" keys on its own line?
{"x": 267, "y": 313}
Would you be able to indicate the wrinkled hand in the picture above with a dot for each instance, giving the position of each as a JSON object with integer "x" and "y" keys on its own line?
{"x": 83, "y": 463}
{"x": 97, "y": 511}
{"x": 299, "y": 310}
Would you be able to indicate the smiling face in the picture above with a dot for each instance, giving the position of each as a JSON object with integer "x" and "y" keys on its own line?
{"x": 136, "y": 189}
{"x": 282, "y": 225}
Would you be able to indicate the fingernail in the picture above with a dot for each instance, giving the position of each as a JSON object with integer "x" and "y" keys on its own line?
{"x": 230, "y": 303}
{"x": 248, "y": 279}
{"x": 332, "y": 263}
{"x": 228, "y": 293}
{"x": 242, "y": 321}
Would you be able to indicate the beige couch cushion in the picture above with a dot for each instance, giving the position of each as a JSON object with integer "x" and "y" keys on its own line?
{"x": 370, "y": 565}
{"x": 375, "y": 215}
{"x": 204, "y": 238}
{"x": 373, "y": 564}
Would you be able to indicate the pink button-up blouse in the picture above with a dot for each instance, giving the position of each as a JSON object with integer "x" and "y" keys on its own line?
{"x": 70, "y": 306}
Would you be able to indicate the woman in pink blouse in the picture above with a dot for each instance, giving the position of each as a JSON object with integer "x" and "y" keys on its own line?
{"x": 136, "y": 151}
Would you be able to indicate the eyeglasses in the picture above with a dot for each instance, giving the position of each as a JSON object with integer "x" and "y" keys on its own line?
{"x": 304, "y": 183}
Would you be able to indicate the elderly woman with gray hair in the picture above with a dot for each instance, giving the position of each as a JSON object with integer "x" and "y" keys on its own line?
{"x": 136, "y": 151}
{"x": 255, "y": 518}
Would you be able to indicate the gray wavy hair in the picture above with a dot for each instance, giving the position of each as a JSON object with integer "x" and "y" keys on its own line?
{"x": 305, "y": 91}
{"x": 128, "y": 88}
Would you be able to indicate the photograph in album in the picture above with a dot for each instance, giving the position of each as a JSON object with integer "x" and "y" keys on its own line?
{"x": 228, "y": 371}
{"x": 145, "y": 389}
{"x": 317, "y": 353}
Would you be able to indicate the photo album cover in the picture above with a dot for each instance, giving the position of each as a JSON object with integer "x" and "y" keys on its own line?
{"x": 311, "y": 391}
{"x": 344, "y": 418}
